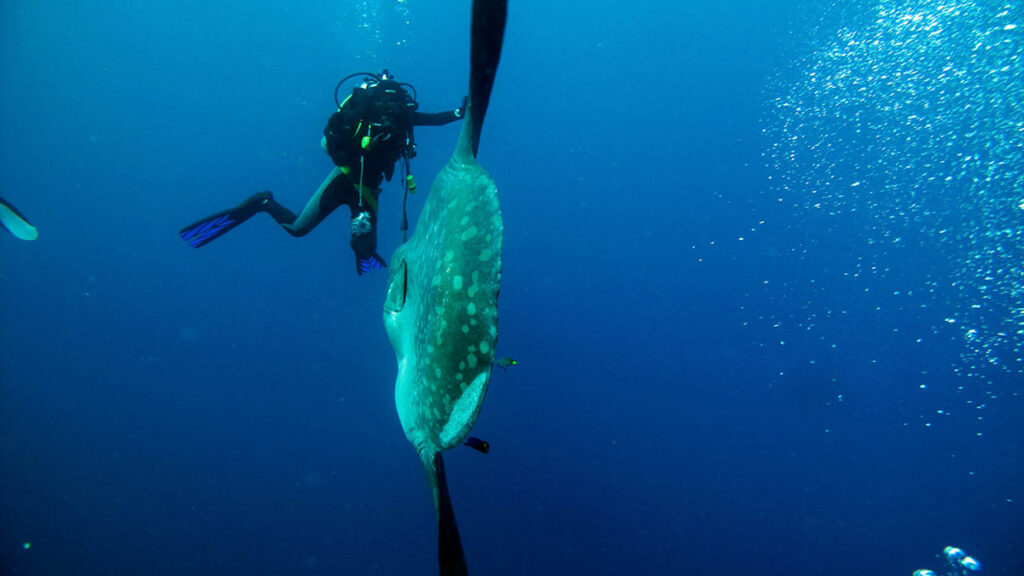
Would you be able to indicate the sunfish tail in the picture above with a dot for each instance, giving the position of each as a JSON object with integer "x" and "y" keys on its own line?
{"x": 449, "y": 545}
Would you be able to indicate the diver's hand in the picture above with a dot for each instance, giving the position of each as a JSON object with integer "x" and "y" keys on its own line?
{"x": 461, "y": 110}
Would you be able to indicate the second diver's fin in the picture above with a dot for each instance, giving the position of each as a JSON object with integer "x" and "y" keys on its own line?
{"x": 366, "y": 264}
{"x": 216, "y": 225}
{"x": 16, "y": 223}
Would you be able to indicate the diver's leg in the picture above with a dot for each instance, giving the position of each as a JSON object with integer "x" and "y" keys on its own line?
{"x": 279, "y": 213}
{"x": 330, "y": 195}
{"x": 327, "y": 197}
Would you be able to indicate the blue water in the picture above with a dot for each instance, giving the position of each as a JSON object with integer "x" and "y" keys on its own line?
{"x": 714, "y": 376}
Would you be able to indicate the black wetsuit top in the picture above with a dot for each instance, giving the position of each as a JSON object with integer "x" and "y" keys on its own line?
{"x": 375, "y": 168}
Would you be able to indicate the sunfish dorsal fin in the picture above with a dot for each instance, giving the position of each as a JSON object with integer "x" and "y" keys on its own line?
{"x": 487, "y": 36}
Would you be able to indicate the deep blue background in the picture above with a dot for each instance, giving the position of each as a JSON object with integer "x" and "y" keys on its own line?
{"x": 229, "y": 410}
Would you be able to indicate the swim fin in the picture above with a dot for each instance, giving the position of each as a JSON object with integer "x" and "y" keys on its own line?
{"x": 367, "y": 263}
{"x": 16, "y": 223}
{"x": 216, "y": 225}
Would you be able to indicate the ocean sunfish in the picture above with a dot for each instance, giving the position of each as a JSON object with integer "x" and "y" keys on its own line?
{"x": 441, "y": 311}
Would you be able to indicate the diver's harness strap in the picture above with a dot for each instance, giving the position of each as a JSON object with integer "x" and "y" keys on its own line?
{"x": 406, "y": 179}
{"x": 365, "y": 193}
{"x": 362, "y": 166}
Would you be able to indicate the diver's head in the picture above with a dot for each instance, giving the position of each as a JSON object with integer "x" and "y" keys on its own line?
{"x": 385, "y": 75}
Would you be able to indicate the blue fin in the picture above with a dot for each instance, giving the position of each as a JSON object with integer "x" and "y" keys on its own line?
{"x": 369, "y": 263}
{"x": 216, "y": 225}
{"x": 205, "y": 231}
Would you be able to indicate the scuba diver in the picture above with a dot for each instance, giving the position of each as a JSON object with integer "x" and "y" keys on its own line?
{"x": 370, "y": 132}
{"x": 16, "y": 223}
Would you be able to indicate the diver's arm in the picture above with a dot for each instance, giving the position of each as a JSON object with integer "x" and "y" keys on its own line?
{"x": 440, "y": 118}
{"x": 437, "y": 119}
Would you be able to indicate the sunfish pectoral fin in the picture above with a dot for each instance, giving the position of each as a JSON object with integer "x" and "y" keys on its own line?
{"x": 449, "y": 545}
{"x": 16, "y": 223}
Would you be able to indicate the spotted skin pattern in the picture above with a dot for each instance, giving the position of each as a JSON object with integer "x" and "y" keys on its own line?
{"x": 442, "y": 308}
